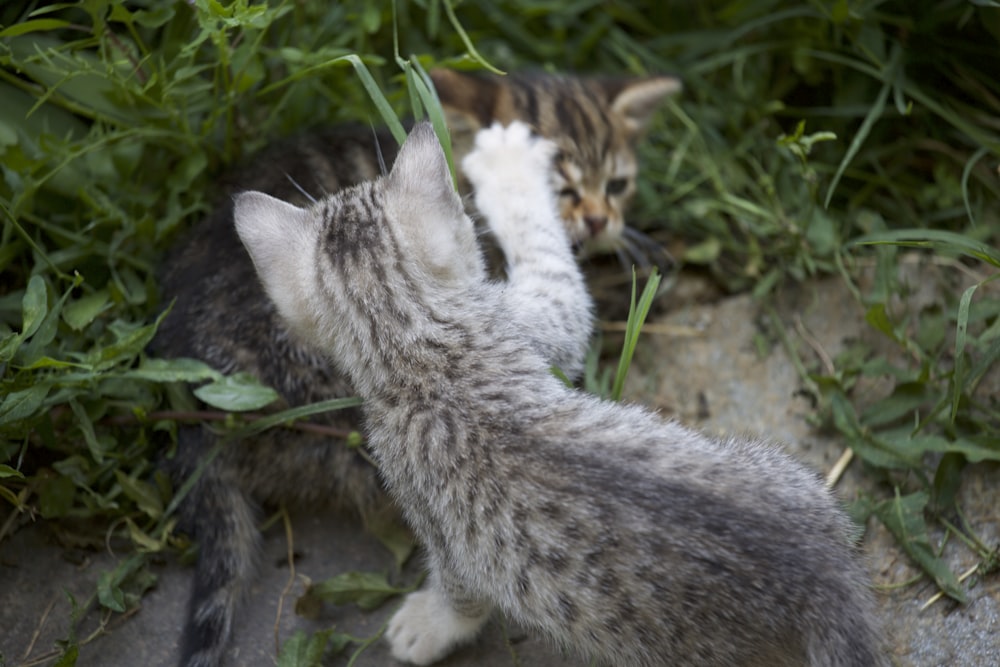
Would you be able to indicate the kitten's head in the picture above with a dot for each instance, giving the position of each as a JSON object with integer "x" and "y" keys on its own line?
{"x": 595, "y": 123}
{"x": 354, "y": 253}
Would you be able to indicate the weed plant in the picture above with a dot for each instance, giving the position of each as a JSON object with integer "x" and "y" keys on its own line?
{"x": 813, "y": 138}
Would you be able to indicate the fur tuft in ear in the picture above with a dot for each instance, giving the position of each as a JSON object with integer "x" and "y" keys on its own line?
{"x": 422, "y": 202}
{"x": 279, "y": 238}
{"x": 636, "y": 99}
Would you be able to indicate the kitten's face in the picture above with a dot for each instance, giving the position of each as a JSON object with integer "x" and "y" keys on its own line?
{"x": 595, "y": 123}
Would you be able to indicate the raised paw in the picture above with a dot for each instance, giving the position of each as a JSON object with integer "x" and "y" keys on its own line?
{"x": 426, "y": 628}
{"x": 510, "y": 155}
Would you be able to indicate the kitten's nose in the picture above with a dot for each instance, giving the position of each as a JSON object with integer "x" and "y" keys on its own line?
{"x": 596, "y": 224}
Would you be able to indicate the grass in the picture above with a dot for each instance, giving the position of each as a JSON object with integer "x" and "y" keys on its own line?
{"x": 813, "y": 138}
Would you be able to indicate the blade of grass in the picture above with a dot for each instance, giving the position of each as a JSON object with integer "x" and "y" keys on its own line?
{"x": 938, "y": 239}
{"x": 874, "y": 113}
{"x": 633, "y": 326}
{"x": 460, "y": 31}
{"x": 961, "y": 333}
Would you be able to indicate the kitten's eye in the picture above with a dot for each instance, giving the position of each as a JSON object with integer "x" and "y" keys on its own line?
{"x": 570, "y": 193}
{"x": 616, "y": 186}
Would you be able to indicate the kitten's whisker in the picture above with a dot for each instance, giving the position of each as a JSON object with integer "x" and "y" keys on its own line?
{"x": 655, "y": 253}
{"x": 300, "y": 188}
{"x": 378, "y": 152}
{"x": 623, "y": 258}
{"x": 637, "y": 254}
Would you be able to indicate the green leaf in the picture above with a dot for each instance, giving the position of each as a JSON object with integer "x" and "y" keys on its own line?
{"x": 937, "y": 239}
{"x": 38, "y": 25}
{"x": 23, "y": 404}
{"x": 173, "y": 370}
{"x": 904, "y": 517}
{"x": 81, "y": 312}
{"x": 904, "y": 399}
{"x": 34, "y": 306}
{"x": 141, "y": 539}
{"x": 237, "y": 393}
{"x": 86, "y": 427}
{"x": 47, "y": 330}
{"x": 872, "y": 450}
{"x": 705, "y": 252}
{"x": 7, "y": 471}
{"x": 109, "y": 593}
{"x": 368, "y": 590}
{"x": 974, "y": 450}
{"x": 947, "y": 480}
{"x": 49, "y": 362}
{"x": 130, "y": 342}
{"x": 879, "y": 319}
{"x": 145, "y": 495}
{"x": 394, "y": 536}
{"x": 303, "y": 651}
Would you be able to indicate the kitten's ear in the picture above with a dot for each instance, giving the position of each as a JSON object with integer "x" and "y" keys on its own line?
{"x": 421, "y": 169}
{"x": 635, "y": 100}
{"x": 421, "y": 199}
{"x": 470, "y": 101}
{"x": 277, "y": 236}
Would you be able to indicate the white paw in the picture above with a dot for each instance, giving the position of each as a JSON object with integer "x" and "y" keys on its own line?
{"x": 509, "y": 155}
{"x": 426, "y": 628}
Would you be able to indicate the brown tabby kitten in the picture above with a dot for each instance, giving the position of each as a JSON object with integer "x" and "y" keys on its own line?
{"x": 627, "y": 539}
{"x": 221, "y": 315}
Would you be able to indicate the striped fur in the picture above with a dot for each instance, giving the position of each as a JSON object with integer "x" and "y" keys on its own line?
{"x": 620, "y": 536}
{"x": 221, "y": 316}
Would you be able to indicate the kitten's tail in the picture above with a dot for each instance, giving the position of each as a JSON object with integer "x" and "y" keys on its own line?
{"x": 224, "y": 522}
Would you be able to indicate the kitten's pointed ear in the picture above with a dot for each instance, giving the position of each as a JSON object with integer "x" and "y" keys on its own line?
{"x": 421, "y": 200}
{"x": 277, "y": 235}
{"x": 470, "y": 101}
{"x": 635, "y": 100}
{"x": 421, "y": 169}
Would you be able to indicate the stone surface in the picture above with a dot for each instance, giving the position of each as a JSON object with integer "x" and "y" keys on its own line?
{"x": 707, "y": 364}
{"x": 707, "y": 370}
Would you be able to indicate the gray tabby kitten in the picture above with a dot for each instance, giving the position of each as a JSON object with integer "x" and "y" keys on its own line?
{"x": 629, "y": 539}
{"x": 221, "y": 315}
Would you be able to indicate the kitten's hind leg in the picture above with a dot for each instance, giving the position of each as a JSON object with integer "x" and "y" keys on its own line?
{"x": 433, "y": 621}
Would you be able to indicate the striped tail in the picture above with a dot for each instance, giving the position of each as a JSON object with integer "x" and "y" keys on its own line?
{"x": 224, "y": 523}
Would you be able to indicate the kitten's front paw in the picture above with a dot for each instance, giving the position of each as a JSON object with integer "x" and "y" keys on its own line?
{"x": 426, "y": 628}
{"x": 510, "y": 156}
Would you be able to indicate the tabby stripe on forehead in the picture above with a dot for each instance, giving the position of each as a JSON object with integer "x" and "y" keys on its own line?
{"x": 529, "y": 100}
{"x": 350, "y": 231}
{"x": 575, "y": 118}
